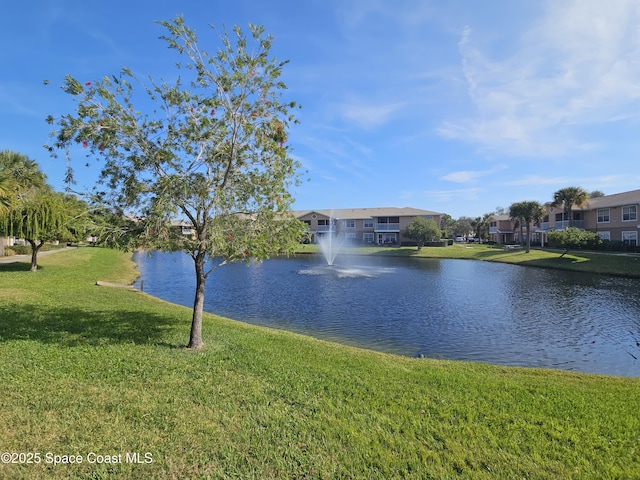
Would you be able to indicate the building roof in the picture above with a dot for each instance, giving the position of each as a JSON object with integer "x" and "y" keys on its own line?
{"x": 500, "y": 218}
{"x": 357, "y": 213}
{"x": 615, "y": 200}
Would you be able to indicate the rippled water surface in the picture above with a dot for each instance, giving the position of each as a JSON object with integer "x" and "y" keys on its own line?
{"x": 453, "y": 309}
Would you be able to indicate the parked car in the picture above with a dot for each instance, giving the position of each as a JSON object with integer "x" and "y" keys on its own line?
{"x": 459, "y": 239}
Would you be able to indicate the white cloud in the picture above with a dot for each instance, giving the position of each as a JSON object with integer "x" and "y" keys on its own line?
{"x": 367, "y": 115}
{"x": 578, "y": 66}
{"x": 467, "y": 176}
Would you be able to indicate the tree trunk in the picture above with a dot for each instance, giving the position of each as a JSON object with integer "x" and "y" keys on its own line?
{"x": 521, "y": 232}
{"x": 195, "y": 338}
{"x": 528, "y": 237}
{"x": 34, "y": 254}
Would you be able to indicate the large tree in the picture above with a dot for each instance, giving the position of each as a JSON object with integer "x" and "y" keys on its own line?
{"x": 41, "y": 216}
{"x": 463, "y": 226}
{"x": 211, "y": 149}
{"x": 447, "y": 225}
{"x": 528, "y": 213}
{"x": 422, "y": 230}
{"x": 19, "y": 177}
{"x": 568, "y": 198}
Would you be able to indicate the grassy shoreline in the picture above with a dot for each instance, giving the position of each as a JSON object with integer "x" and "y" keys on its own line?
{"x": 617, "y": 264}
{"x": 88, "y": 369}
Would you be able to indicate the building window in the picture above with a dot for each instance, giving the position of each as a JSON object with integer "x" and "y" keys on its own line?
{"x": 603, "y": 215}
{"x": 604, "y": 235}
{"x": 367, "y": 223}
{"x": 388, "y": 238}
{"x": 367, "y": 237}
{"x": 630, "y": 213}
{"x": 350, "y": 223}
{"x": 630, "y": 238}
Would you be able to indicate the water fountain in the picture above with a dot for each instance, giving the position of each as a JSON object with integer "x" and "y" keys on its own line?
{"x": 330, "y": 246}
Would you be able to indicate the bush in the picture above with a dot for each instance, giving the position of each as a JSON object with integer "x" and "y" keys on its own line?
{"x": 574, "y": 239}
{"x": 22, "y": 249}
{"x": 438, "y": 243}
{"x": 617, "y": 246}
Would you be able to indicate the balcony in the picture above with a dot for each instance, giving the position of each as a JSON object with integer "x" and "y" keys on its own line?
{"x": 563, "y": 225}
{"x": 387, "y": 227}
{"x": 325, "y": 228}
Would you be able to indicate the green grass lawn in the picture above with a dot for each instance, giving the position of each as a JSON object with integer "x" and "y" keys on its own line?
{"x": 627, "y": 265}
{"x": 102, "y": 371}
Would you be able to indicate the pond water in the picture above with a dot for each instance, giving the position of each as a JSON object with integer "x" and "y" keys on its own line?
{"x": 450, "y": 309}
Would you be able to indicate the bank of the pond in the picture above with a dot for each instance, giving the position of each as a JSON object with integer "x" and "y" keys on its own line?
{"x": 618, "y": 264}
{"x": 101, "y": 373}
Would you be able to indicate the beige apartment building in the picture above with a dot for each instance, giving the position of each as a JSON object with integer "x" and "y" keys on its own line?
{"x": 365, "y": 226}
{"x": 613, "y": 217}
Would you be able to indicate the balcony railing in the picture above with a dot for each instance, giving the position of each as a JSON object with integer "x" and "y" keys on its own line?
{"x": 325, "y": 228}
{"x": 387, "y": 227}
{"x": 563, "y": 225}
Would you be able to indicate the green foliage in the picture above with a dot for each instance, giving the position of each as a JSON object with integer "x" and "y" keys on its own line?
{"x": 447, "y": 224}
{"x": 463, "y": 226}
{"x": 212, "y": 151}
{"x": 41, "y": 216}
{"x": 422, "y": 230}
{"x": 93, "y": 369}
{"x": 527, "y": 212}
{"x": 19, "y": 176}
{"x": 568, "y": 198}
{"x": 32, "y": 210}
{"x": 574, "y": 239}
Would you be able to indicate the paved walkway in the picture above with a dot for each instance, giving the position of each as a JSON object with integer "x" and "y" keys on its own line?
{"x": 27, "y": 258}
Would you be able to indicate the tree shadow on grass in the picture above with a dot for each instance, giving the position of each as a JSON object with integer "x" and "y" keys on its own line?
{"x": 17, "y": 267}
{"x": 74, "y": 327}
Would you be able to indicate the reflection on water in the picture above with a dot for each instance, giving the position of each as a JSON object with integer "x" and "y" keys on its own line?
{"x": 454, "y": 309}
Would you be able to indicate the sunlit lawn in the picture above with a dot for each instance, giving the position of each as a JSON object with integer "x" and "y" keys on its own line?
{"x": 94, "y": 369}
{"x": 596, "y": 262}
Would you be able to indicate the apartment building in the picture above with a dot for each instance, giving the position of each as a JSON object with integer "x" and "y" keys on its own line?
{"x": 613, "y": 217}
{"x": 501, "y": 229}
{"x": 368, "y": 226}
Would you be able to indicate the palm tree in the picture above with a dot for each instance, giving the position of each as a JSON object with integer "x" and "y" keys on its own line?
{"x": 516, "y": 213}
{"x": 528, "y": 213}
{"x": 5, "y": 205}
{"x": 569, "y": 197}
{"x": 21, "y": 173}
{"x": 5, "y": 194}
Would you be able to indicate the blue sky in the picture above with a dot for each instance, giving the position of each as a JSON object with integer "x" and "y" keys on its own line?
{"x": 456, "y": 106}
